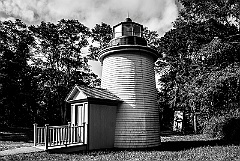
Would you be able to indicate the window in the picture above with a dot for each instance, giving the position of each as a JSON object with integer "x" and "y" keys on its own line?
{"x": 137, "y": 30}
{"x": 79, "y": 113}
{"x": 127, "y": 30}
{"x": 118, "y": 31}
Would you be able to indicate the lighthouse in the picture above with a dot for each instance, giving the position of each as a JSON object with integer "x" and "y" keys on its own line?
{"x": 128, "y": 73}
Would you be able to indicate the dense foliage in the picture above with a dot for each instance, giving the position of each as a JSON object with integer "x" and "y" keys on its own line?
{"x": 225, "y": 127}
{"x": 38, "y": 67}
{"x": 200, "y": 65}
{"x": 17, "y": 84}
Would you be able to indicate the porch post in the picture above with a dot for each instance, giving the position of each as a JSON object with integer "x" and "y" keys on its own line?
{"x": 69, "y": 132}
{"x": 46, "y": 136}
{"x": 84, "y": 132}
{"x": 35, "y": 134}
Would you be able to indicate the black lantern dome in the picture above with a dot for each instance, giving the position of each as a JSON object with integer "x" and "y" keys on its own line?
{"x": 128, "y": 33}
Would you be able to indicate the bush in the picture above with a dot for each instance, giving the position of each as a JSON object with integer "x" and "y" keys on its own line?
{"x": 226, "y": 127}
{"x": 231, "y": 130}
{"x": 213, "y": 127}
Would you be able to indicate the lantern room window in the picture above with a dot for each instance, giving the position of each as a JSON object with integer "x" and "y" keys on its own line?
{"x": 127, "y": 30}
{"x": 137, "y": 31}
{"x": 118, "y": 31}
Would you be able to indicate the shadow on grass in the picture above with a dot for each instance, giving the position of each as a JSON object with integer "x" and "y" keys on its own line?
{"x": 184, "y": 145}
{"x": 167, "y": 146}
{"x": 16, "y": 134}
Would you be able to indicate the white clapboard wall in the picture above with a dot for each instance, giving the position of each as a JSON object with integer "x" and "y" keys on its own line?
{"x": 129, "y": 74}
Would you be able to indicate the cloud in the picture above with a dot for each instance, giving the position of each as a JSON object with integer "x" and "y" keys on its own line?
{"x": 155, "y": 14}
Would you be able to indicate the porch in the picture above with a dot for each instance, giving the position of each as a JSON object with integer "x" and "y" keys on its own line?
{"x": 67, "y": 137}
{"x": 92, "y": 126}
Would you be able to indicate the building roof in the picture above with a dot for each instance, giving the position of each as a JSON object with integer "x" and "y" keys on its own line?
{"x": 83, "y": 92}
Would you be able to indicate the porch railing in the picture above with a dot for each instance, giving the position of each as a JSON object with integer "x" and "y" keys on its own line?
{"x": 50, "y": 136}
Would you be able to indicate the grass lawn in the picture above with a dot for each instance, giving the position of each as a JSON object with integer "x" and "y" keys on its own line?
{"x": 218, "y": 153}
{"x": 190, "y": 147}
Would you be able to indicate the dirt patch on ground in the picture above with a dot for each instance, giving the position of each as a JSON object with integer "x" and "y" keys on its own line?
{"x": 11, "y": 138}
{"x": 6, "y": 145}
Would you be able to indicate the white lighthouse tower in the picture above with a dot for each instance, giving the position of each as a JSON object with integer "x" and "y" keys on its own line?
{"x": 128, "y": 72}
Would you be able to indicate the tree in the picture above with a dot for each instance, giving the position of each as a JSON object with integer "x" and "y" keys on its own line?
{"x": 223, "y": 11}
{"x": 151, "y": 37}
{"x": 202, "y": 45}
{"x": 15, "y": 74}
{"x": 63, "y": 63}
{"x": 100, "y": 34}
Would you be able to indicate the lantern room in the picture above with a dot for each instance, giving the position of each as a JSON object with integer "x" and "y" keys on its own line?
{"x": 128, "y": 33}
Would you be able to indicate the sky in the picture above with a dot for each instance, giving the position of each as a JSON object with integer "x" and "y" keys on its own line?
{"x": 157, "y": 15}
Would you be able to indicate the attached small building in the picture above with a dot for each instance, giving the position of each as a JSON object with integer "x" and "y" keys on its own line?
{"x": 95, "y": 108}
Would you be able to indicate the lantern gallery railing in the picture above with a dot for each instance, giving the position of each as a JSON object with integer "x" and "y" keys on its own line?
{"x": 50, "y": 136}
